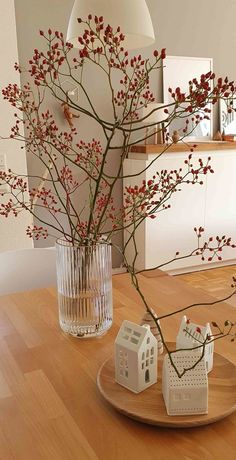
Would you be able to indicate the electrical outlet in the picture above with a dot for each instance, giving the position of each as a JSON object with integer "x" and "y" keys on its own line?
{"x": 3, "y": 168}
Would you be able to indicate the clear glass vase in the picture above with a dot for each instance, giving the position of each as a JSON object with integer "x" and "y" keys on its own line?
{"x": 84, "y": 284}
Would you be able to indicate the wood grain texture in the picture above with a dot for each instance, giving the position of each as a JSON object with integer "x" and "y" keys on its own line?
{"x": 50, "y": 407}
{"x": 149, "y": 407}
{"x": 183, "y": 147}
{"x": 215, "y": 282}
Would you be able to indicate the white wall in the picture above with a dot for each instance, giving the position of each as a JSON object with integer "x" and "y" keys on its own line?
{"x": 33, "y": 15}
{"x": 184, "y": 27}
{"x": 12, "y": 230}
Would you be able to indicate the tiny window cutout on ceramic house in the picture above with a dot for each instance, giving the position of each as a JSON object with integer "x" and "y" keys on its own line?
{"x": 137, "y": 343}
{"x": 187, "y": 395}
{"x": 190, "y": 337}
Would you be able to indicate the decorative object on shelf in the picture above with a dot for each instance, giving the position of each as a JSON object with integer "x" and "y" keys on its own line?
{"x": 148, "y": 319}
{"x": 187, "y": 395}
{"x": 149, "y": 406}
{"x": 192, "y": 335}
{"x": 175, "y": 136}
{"x": 227, "y": 116}
{"x": 217, "y": 136}
{"x": 154, "y": 114}
{"x": 178, "y": 71}
{"x": 229, "y": 137}
{"x": 135, "y": 357}
{"x": 84, "y": 288}
{"x": 133, "y": 18}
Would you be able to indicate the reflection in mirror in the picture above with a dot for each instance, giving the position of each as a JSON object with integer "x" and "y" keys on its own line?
{"x": 228, "y": 119}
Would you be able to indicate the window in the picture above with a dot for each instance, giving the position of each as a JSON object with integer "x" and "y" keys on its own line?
{"x": 176, "y": 396}
{"x": 148, "y": 340}
{"x": 147, "y": 353}
{"x": 152, "y": 351}
{"x": 147, "y": 376}
{"x": 137, "y": 333}
{"x": 134, "y": 340}
{"x": 126, "y": 337}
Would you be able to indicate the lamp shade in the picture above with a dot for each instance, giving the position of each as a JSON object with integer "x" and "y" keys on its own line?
{"x": 154, "y": 117}
{"x": 132, "y": 16}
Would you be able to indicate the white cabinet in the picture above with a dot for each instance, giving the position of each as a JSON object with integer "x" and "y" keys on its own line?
{"x": 211, "y": 205}
{"x": 220, "y": 213}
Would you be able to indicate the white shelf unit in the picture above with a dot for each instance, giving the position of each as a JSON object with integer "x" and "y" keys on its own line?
{"x": 211, "y": 206}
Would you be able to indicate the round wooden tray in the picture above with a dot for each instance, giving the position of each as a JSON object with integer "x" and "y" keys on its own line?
{"x": 149, "y": 407}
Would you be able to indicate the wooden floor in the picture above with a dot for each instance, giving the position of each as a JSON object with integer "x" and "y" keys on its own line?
{"x": 216, "y": 281}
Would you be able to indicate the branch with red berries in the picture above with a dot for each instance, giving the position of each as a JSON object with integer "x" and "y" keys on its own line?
{"x": 69, "y": 165}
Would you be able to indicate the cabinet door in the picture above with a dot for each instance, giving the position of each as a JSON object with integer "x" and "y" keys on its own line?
{"x": 173, "y": 229}
{"x": 220, "y": 218}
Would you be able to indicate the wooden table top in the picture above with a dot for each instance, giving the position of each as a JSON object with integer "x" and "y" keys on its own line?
{"x": 50, "y": 408}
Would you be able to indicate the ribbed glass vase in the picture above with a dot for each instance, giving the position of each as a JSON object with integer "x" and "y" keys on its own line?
{"x": 84, "y": 286}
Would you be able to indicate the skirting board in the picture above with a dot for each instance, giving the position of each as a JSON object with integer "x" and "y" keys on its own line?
{"x": 200, "y": 268}
{"x": 180, "y": 271}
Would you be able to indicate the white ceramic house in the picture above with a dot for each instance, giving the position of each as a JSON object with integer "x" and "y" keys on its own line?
{"x": 189, "y": 337}
{"x": 187, "y": 395}
{"x": 135, "y": 357}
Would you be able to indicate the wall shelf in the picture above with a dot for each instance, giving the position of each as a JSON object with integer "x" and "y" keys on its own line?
{"x": 183, "y": 147}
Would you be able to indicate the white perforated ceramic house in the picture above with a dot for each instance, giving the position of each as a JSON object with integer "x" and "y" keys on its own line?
{"x": 187, "y": 395}
{"x": 135, "y": 357}
{"x": 189, "y": 336}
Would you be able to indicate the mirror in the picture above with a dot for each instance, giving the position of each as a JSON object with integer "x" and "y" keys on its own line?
{"x": 177, "y": 72}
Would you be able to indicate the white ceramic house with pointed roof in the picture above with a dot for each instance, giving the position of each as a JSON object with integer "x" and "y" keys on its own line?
{"x": 187, "y": 395}
{"x": 189, "y": 337}
{"x": 135, "y": 357}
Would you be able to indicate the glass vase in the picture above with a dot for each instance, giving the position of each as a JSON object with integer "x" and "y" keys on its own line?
{"x": 84, "y": 283}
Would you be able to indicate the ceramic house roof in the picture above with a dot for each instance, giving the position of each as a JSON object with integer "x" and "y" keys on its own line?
{"x": 132, "y": 335}
{"x": 192, "y": 329}
{"x": 194, "y": 378}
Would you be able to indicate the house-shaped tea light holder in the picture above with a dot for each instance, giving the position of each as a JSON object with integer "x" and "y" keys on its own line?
{"x": 187, "y": 395}
{"x": 135, "y": 357}
{"x": 191, "y": 335}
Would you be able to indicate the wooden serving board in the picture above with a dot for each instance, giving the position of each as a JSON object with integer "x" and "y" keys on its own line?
{"x": 149, "y": 407}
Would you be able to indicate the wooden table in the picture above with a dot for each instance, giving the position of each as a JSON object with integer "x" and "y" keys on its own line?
{"x": 50, "y": 408}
